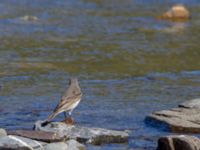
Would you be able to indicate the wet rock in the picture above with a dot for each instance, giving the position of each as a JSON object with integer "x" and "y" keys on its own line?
{"x": 3, "y": 132}
{"x": 185, "y": 118}
{"x": 84, "y": 134}
{"x": 73, "y": 144}
{"x": 38, "y": 135}
{"x": 178, "y": 142}
{"x": 56, "y": 146}
{"x": 19, "y": 143}
{"x": 176, "y": 13}
{"x": 29, "y": 18}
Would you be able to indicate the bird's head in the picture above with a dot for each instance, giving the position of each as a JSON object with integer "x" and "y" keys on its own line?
{"x": 73, "y": 81}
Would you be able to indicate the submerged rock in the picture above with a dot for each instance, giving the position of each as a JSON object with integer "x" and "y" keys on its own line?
{"x": 185, "y": 118}
{"x": 84, "y": 134}
{"x": 178, "y": 142}
{"x": 176, "y": 13}
{"x": 19, "y": 143}
{"x": 2, "y": 132}
{"x": 29, "y": 18}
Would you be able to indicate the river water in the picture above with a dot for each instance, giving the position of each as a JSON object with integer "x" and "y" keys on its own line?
{"x": 128, "y": 63}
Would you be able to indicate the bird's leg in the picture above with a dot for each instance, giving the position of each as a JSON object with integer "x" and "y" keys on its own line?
{"x": 70, "y": 120}
{"x": 70, "y": 113}
{"x": 65, "y": 115}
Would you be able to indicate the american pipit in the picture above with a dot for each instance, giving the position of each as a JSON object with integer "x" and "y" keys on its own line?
{"x": 69, "y": 100}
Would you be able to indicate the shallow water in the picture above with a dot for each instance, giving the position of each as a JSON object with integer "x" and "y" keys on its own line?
{"x": 129, "y": 64}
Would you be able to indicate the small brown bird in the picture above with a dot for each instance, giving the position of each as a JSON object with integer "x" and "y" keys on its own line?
{"x": 69, "y": 100}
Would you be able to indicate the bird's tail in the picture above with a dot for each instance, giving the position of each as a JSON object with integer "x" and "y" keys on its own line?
{"x": 51, "y": 117}
{"x": 48, "y": 120}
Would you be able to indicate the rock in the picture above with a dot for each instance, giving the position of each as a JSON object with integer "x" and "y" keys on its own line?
{"x": 3, "y": 132}
{"x": 19, "y": 143}
{"x": 57, "y": 146}
{"x": 29, "y": 18}
{"x": 38, "y": 135}
{"x": 185, "y": 118}
{"x": 74, "y": 145}
{"x": 69, "y": 145}
{"x": 84, "y": 134}
{"x": 176, "y": 13}
{"x": 178, "y": 142}
{"x": 69, "y": 121}
{"x": 195, "y": 103}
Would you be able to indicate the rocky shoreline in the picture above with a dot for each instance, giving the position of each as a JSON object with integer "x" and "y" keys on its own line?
{"x": 59, "y": 136}
{"x": 183, "y": 119}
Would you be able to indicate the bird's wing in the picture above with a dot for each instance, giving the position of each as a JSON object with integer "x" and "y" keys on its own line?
{"x": 64, "y": 105}
{"x": 67, "y": 101}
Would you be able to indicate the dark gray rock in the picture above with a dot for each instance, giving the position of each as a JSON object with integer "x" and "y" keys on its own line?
{"x": 84, "y": 134}
{"x": 19, "y": 143}
{"x": 178, "y": 142}
{"x": 185, "y": 118}
{"x": 3, "y": 132}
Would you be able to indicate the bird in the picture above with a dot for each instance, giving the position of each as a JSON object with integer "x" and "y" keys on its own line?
{"x": 69, "y": 101}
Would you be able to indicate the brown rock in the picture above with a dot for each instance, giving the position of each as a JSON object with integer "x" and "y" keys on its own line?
{"x": 185, "y": 118}
{"x": 38, "y": 135}
{"x": 178, "y": 142}
{"x": 176, "y": 13}
{"x": 69, "y": 121}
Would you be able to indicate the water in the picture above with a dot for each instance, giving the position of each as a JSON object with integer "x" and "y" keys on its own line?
{"x": 128, "y": 63}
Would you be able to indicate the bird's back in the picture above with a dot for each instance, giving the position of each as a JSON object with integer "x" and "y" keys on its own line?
{"x": 73, "y": 92}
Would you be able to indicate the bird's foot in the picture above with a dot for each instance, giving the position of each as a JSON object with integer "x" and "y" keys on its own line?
{"x": 69, "y": 121}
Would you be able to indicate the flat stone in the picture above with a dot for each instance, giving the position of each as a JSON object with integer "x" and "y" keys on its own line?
{"x": 95, "y": 136}
{"x": 185, "y": 118}
{"x": 195, "y": 103}
{"x": 178, "y": 142}
{"x": 19, "y": 143}
{"x": 38, "y": 135}
{"x": 57, "y": 146}
{"x": 3, "y": 132}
